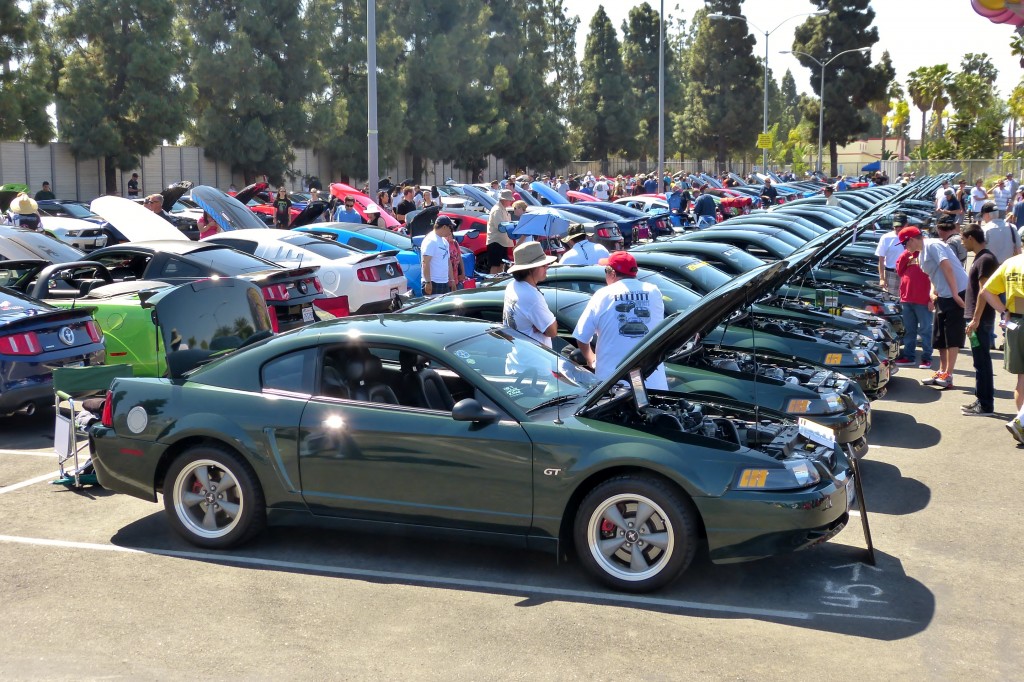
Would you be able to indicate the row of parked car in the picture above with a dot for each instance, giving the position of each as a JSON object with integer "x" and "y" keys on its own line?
{"x": 776, "y": 342}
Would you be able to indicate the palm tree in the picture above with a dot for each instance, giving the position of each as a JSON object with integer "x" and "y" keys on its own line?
{"x": 917, "y": 88}
{"x": 1015, "y": 104}
{"x": 1017, "y": 47}
{"x": 937, "y": 81}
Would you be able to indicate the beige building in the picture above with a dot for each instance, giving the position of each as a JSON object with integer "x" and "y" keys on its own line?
{"x": 859, "y": 153}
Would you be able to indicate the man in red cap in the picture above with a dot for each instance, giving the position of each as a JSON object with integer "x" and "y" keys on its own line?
{"x": 620, "y": 314}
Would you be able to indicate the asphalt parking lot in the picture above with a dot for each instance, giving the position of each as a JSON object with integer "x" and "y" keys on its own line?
{"x": 95, "y": 585}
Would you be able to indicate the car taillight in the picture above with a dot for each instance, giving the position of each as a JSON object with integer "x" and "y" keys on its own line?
{"x": 276, "y": 292}
{"x": 336, "y": 305}
{"x": 875, "y": 309}
{"x": 107, "y": 418}
{"x": 273, "y": 318}
{"x": 20, "y": 344}
{"x": 316, "y": 284}
{"x": 603, "y": 232}
{"x": 368, "y": 275}
{"x": 93, "y": 330}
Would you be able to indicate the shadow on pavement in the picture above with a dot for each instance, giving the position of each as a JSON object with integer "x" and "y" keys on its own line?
{"x": 825, "y": 588}
{"x": 899, "y": 430}
{"x": 909, "y": 390}
{"x": 888, "y": 492}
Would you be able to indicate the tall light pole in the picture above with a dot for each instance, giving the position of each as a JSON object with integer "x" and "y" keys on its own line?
{"x": 728, "y": 17}
{"x": 372, "y": 169}
{"x": 661, "y": 101}
{"x": 821, "y": 103}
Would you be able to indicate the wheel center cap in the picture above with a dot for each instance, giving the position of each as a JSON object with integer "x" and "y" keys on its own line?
{"x": 210, "y": 498}
{"x": 632, "y": 536}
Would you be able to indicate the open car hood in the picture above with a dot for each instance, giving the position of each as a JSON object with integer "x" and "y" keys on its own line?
{"x": 420, "y": 223}
{"x": 175, "y": 192}
{"x": 229, "y": 212}
{"x": 313, "y": 210}
{"x": 479, "y": 196}
{"x": 249, "y": 191}
{"x": 133, "y": 220}
{"x": 703, "y": 316}
{"x": 207, "y": 318}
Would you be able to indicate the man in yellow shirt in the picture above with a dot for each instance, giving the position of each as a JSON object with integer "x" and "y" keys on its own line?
{"x": 1008, "y": 279}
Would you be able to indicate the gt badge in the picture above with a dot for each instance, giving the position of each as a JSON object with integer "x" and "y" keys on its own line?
{"x": 552, "y": 472}
{"x": 67, "y": 335}
{"x": 137, "y": 419}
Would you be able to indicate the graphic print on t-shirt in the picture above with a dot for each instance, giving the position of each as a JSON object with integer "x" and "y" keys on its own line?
{"x": 633, "y": 311}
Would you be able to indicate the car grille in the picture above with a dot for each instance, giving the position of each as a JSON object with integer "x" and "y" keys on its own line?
{"x": 92, "y": 233}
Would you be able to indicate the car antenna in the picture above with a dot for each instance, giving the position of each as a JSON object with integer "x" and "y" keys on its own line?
{"x": 753, "y": 343}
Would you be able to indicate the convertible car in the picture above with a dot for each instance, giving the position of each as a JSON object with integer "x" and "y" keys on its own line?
{"x": 416, "y": 421}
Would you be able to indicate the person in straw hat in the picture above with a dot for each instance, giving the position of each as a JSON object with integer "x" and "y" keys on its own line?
{"x": 583, "y": 251}
{"x": 24, "y": 212}
{"x": 525, "y": 309}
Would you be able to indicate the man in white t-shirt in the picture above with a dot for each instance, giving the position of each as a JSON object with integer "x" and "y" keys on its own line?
{"x": 437, "y": 264}
{"x": 601, "y": 188}
{"x": 940, "y": 193}
{"x": 888, "y": 250}
{"x": 978, "y": 197}
{"x": 1001, "y": 239}
{"x": 1001, "y": 196}
{"x": 583, "y": 251}
{"x": 525, "y": 309}
{"x": 621, "y": 315}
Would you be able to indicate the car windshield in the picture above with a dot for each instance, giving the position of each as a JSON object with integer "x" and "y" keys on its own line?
{"x": 321, "y": 247}
{"x": 77, "y": 211}
{"x": 676, "y": 297}
{"x": 527, "y": 373}
{"x": 228, "y": 262}
{"x": 390, "y": 238}
{"x": 21, "y": 245}
{"x": 706, "y": 277}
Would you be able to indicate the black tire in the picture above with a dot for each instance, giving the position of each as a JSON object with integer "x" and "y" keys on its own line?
{"x": 231, "y": 510}
{"x": 621, "y": 554}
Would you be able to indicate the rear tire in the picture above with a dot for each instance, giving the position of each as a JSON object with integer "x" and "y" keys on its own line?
{"x": 213, "y": 497}
{"x": 636, "y": 533}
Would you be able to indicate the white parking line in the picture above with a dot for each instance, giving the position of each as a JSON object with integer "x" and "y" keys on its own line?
{"x": 443, "y": 582}
{"x": 31, "y": 481}
{"x": 29, "y": 453}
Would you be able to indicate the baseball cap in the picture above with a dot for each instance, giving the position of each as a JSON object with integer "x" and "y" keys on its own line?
{"x": 899, "y": 220}
{"x": 908, "y": 233}
{"x": 949, "y": 190}
{"x": 621, "y": 262}
{"x": 444, "y": 221}
{"x": 988, "y": 207}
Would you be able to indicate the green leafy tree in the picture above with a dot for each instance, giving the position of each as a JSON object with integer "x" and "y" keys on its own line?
{"x": 451, "y": 112}
{"x": 851, "y": 80}
{"x": 1017, "y": 48}
{"x": 564, "y": 64}
{"x": 917, "y": 88}
{"x": 338, "y": 98}
{"x": 602, "y": 121}
{"x": 640, "y": 45}
{"x": 937, "y": 82}
{"x": 882, "y": 105}
{"x": 522, "y": 73}
{"x": 677, "y": 40}
{"x": 898, "y": 121}
{"x": 26, "y": 72}
{"x": 724, "y": 80}
{"x": 119, "y": 93}
{"x": 1015, "y": 108}
{"x": 980, "y": 65}
{"x": 250, "y": 65}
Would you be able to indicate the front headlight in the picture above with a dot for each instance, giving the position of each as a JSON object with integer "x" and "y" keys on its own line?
{"x": 861, "y": 357}
{"x": 795, "y": 474}
{"x": 826, "y": 403}
{"x": 72, "y": 233}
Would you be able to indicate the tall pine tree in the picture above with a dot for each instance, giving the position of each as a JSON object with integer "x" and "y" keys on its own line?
{"x": 26, "y": 73}
{"x": 119, "y": 94}
{"x": 722, "y": 116}
{"x": 851, "y": 81}
{"x": 602, "y": 121}
{"x": 640, "y": 44}
{"x": 250, "y": 64}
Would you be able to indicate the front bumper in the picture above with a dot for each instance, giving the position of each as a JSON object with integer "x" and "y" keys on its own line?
{"x": 396, "y": 302}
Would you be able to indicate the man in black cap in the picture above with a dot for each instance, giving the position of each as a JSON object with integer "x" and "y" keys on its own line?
{"x": 583, "y": 251}
{"x": 133, "y": 186}
{"x": 45, "y": 193}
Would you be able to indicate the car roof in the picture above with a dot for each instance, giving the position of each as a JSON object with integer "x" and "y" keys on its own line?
{"x": 260, "y": 236}
{"x": 168, "y": 246}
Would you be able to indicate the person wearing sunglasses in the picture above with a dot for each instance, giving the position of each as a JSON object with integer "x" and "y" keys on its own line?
{"x": 346, "y": 213}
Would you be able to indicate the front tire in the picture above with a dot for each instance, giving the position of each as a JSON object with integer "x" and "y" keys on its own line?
{"x": 213, "y": 498}
{"x": 635, "y": 533}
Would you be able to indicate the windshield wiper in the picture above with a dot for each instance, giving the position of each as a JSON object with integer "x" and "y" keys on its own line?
{"x": 557, "y": 400}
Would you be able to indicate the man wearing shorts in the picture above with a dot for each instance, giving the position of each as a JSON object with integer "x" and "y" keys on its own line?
{"x": 949, "y": 286}
{"x": 498, "y": 242}
{"x": 1008, "y": 279}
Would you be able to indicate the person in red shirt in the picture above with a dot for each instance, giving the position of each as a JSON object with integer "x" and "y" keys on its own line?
{"x": 915, "y": 298}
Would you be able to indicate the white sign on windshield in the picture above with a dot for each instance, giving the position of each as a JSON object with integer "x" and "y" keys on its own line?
{"x": 816, "y": 432}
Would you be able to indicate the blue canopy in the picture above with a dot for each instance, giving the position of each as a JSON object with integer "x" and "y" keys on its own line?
{"x": 539, "y": 225}
{"x": 872, "y": 167}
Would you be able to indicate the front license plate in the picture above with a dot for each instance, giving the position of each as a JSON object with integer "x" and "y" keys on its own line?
{"x": 394, "y": 293}
{"x": 80, "y": 363}
{"x": 851, "y": 494}
{"x": 307, "y": 314}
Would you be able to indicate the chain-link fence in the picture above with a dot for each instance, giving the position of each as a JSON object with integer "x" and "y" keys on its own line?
{"x": 618, "y": 166}
{"x": 971, "y": 169}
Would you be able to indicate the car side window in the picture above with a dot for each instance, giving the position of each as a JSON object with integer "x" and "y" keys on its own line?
{"x": 240, "y": 244}
{"x": 175, "y": 267}
{"x": 293, "y": 372}
{"x": 125, "y": 264}
{"x": 362, "y": 244}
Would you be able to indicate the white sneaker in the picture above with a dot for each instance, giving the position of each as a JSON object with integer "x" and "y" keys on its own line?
{"x": 1016, "y": 430}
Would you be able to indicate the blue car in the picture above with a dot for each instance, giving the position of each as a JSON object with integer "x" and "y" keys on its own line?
{"x": 374, "y": 239}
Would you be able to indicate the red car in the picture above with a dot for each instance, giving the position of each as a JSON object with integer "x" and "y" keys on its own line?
{"x": 580, "y": 196}
{"x": 248, "y": 196}
{"x": 340, "y": 190}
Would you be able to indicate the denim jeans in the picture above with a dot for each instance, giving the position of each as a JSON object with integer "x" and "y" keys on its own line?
{"x": 984, "y": 387}
{"x": 705, "y": 221}
{"x": 437, "y": 288}
{"x": 917, "y": 320}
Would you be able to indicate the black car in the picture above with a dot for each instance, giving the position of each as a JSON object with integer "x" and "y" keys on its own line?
{"x": 289, "y": 292}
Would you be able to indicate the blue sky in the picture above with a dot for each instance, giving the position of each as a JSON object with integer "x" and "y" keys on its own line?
{"x": 915, "y": 34}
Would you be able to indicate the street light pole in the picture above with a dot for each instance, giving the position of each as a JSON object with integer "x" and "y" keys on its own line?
{"x": 661, "y": 101}
{"x": 821, "y": 101}
{"x": 372, "y": 161}
{"x": 728, "y": 17}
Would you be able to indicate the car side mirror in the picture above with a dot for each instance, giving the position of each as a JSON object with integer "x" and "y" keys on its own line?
{"x": 470, "y": 410}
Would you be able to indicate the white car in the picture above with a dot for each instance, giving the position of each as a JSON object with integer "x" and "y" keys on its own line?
{"x": 81, "y": 234}
{"x": 373, "y": 282}
{"x": 647, "y": 204}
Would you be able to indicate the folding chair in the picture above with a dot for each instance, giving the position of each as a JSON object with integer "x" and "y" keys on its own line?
{"x": 72, "y": 385}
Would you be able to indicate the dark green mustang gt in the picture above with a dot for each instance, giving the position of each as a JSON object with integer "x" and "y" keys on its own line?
{"x": 448, "y": 424}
